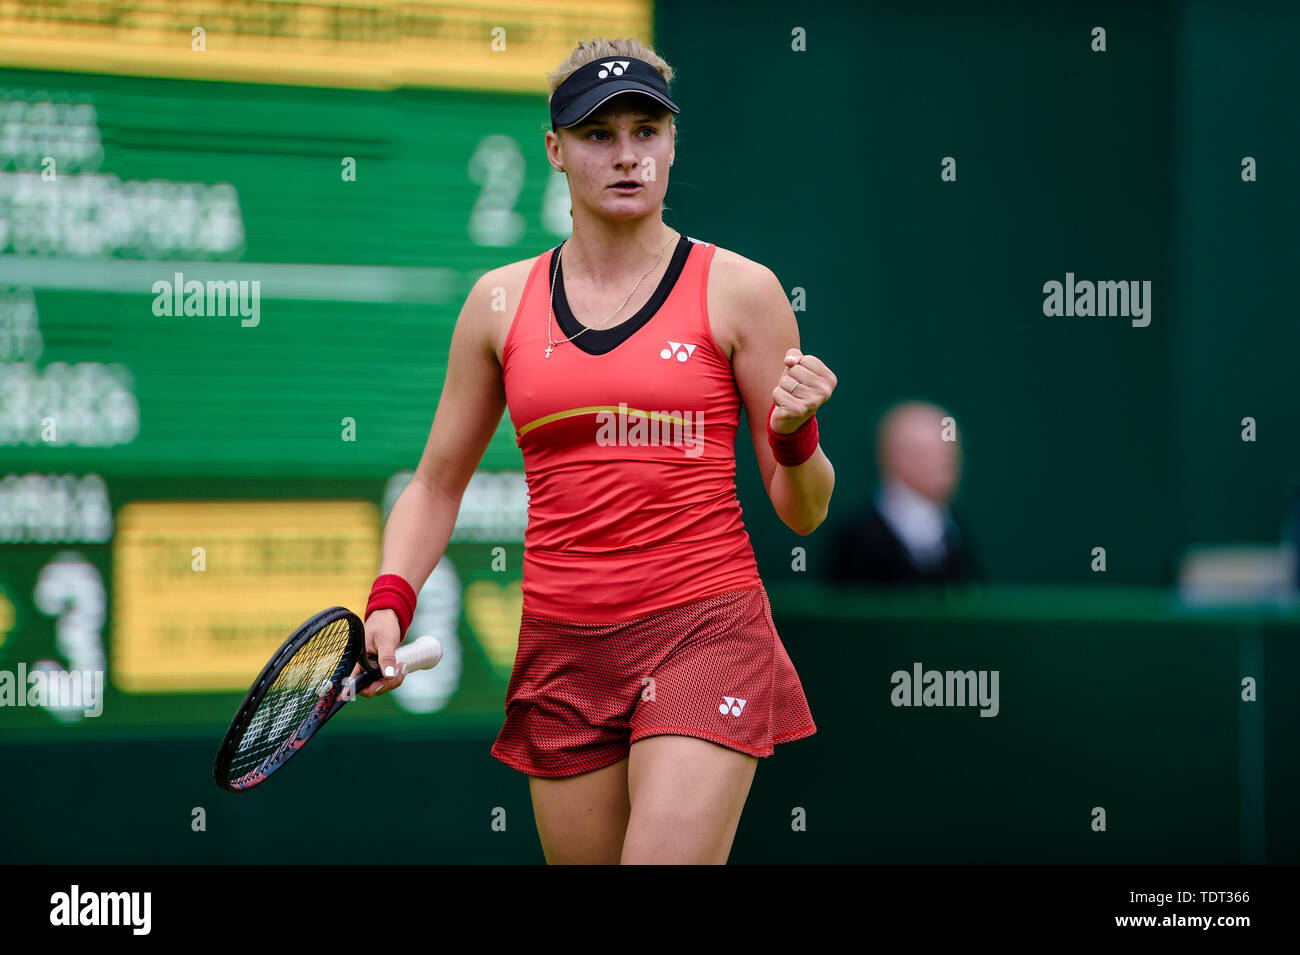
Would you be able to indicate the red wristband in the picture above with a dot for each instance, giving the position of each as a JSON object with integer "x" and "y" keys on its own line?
{"x": 392, "y": 592}
{"x": 796, "y": 448}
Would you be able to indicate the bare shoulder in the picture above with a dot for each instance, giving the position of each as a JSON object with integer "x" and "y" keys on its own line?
{"x": 504, "y": 285}
{"x": 738, "y": 286}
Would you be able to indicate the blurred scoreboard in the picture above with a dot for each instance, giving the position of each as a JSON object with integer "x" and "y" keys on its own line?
{"x": 186, "y": 477}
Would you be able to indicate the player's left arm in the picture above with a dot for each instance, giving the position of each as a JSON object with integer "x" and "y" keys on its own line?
{"x": 766, "y": 362}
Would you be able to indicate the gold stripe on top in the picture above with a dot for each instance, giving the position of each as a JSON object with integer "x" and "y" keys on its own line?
{"x": 547, "y": 419}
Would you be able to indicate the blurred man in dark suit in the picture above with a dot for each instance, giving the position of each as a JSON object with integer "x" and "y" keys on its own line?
{"x": 908, "y": 536}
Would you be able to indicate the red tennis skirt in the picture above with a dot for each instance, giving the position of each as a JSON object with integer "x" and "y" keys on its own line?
{"x": 582, "y": 693}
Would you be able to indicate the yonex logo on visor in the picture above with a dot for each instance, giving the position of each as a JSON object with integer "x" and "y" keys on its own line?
{"x": 592, "y": 85}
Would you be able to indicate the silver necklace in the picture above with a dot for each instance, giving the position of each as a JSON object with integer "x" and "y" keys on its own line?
{"x": 551, "y": 343}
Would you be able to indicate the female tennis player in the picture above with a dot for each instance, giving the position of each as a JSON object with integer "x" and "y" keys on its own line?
{"x": 649, "y": 676}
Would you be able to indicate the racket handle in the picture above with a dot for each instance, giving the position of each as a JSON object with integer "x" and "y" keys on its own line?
{"x": 423, "y": 654}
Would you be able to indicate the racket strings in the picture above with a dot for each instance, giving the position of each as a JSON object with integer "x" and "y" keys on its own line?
{"x": 292, "y": 697}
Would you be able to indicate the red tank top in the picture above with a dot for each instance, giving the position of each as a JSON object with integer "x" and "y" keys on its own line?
{"x": 628, "y": 439}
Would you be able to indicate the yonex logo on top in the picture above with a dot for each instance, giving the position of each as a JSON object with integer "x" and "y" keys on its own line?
{"x": 683, "y": 351}
{"x": 733, "y": 705}
{"x": 615, "y": 66}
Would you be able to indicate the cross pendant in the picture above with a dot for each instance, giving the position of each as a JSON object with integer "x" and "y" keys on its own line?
{"x": 548, "y": 350}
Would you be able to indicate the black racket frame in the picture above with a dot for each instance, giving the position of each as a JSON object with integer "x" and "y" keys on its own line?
{"x": 329, "y": 704}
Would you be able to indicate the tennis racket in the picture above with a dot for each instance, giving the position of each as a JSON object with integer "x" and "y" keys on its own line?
{"x": 307, "y": 681}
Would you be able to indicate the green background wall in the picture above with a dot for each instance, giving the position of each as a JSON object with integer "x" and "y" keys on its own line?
{"x": 1080, "y": 432}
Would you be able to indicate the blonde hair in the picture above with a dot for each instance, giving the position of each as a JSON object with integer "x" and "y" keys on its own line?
{"x": 589, "y": 51}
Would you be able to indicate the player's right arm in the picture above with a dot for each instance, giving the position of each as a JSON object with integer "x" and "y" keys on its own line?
{"x": 468, "y": 413}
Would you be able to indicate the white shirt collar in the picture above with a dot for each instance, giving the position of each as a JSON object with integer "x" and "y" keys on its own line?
{"x": 919, "y": 522}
